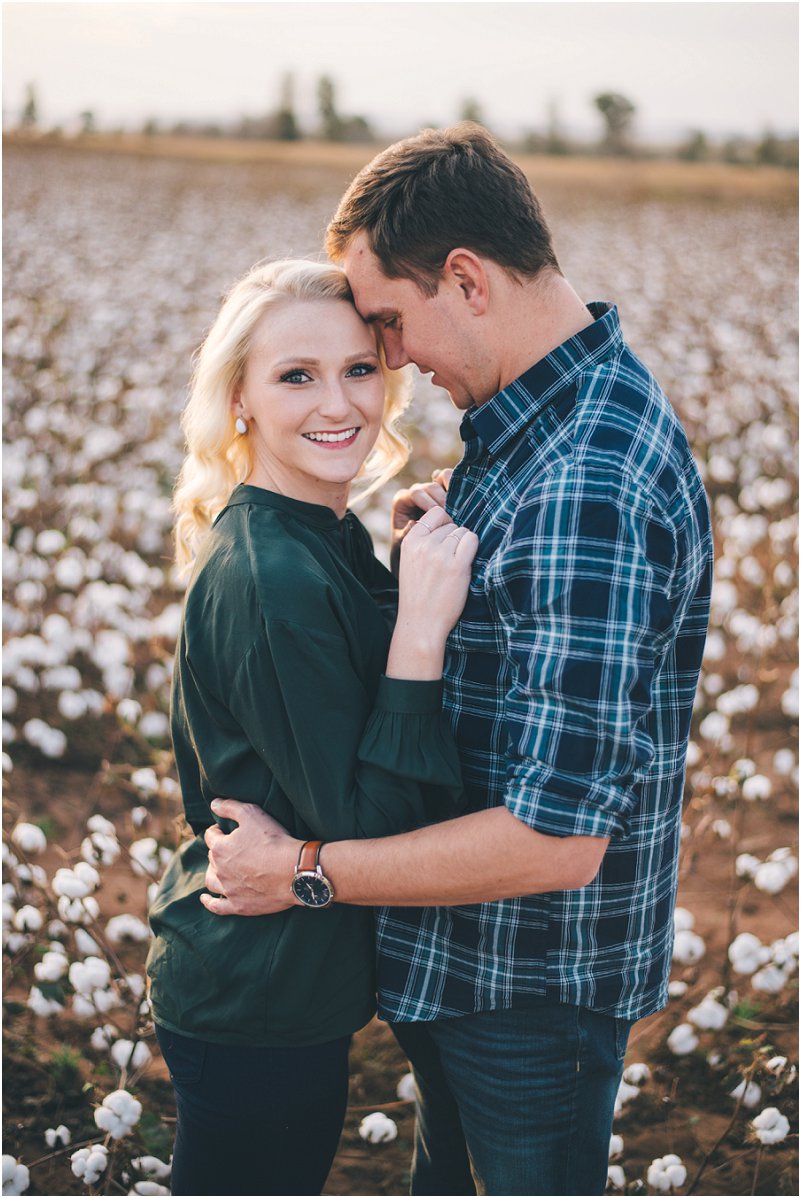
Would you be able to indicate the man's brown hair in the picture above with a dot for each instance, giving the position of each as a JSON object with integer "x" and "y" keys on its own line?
{"x": 426, "y": 195}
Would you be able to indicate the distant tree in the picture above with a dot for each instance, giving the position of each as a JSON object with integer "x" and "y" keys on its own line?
{"x": 327, "y": 107}
{"x": 150, "y": 127}
{"x": 87, "y": 120}
{"x": 286, "y": 124}
{"x": 471, "y": 111}
{"x": 738, "y": 152}
{"x": 769, "y": 151}
{"x": 555, "y": 142}
{"x": 29, "y": 117}
{"x": 696, "y": 148}
{"x": 618, "y": 114}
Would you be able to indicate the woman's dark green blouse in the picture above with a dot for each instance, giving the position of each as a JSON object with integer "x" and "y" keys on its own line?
{"x": 279, "y": 700}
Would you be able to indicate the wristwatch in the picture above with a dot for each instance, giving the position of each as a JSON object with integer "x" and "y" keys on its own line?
{"x": 310, "y": 885}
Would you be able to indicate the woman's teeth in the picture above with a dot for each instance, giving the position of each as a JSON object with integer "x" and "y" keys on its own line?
{"x": 343, "y": 436}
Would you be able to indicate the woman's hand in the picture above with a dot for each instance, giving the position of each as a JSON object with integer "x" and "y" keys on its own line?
{"x": 436, "y": 560}
{"x": 410, "y": 504}
{"x": 251, "y": 868}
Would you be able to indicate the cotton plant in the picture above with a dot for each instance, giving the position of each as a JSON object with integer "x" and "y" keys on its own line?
{"x": 16, "y": 1177}
{"x": 378, "y": 1128}
{"x": 770, "y": 1126}
{"x": 88, "y": 1164}
{"x": 118, "y": 1114}
{"x": 666, "y": 1173}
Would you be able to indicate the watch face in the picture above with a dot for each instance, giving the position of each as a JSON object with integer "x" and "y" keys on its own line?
{"x": 312, "y": 890}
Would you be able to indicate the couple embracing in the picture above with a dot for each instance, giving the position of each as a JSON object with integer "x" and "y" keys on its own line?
{"x": 480, "y": 763}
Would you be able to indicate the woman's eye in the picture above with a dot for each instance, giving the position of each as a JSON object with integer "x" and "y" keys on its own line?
{"x": 295, "y": 376}
{"x": 361, "y": 370}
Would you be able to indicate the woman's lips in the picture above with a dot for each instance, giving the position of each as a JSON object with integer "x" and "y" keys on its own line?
{"x": 333, "y": 438}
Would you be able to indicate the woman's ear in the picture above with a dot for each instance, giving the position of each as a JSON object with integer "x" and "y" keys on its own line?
{"x": 466, "y": 271}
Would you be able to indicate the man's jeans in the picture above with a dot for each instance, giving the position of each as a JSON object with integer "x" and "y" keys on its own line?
{"x": 515, "y": 1102}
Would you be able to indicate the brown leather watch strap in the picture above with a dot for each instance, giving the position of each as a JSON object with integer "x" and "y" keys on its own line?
{"x": 307, "y": 860}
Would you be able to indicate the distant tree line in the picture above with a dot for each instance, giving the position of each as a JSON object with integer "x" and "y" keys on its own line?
{"x": 616, "y": 138}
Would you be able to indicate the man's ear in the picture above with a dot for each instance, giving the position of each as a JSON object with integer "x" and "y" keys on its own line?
{"x": 466, "y": 270}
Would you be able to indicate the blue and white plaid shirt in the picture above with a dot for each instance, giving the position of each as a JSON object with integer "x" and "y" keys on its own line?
{"x": 570, "y": 682}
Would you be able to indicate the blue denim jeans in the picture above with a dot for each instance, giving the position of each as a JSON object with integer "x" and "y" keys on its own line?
{"x": 515, "y": 1102}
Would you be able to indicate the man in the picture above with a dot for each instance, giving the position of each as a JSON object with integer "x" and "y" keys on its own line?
{"x": 569, "y": 681}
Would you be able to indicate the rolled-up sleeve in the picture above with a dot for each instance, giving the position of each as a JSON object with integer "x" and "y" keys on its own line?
{"x": 582, "y": 587}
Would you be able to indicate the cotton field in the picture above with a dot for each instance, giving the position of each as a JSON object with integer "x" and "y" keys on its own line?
{"x": 114, "y": 267}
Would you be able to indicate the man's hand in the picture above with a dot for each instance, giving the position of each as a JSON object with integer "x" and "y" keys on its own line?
{"x": 252, "y": 867}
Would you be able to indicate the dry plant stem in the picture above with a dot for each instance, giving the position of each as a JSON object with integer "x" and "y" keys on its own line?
{"x": 747, "y": 1075}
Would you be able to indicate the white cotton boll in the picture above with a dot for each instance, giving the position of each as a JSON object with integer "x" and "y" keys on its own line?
{"x": 666, "y": 1173}
{"x": 129, "y": 710}
{"x": 757, "y": 787}
{"x": 406, "y": 1089}
{"x": 721, "y": 828}
{"x": 713, "y": 684}
{"x": 91, "y": 974}
{"x": 70, "y": 885}
{"x": 677, "y": 989}
{"x": 60, "y": 1136}
{"x": 99, "y": 849}
{"x": 636, "y": 1074}
{"x": 78, "y": 911}
{"x": 154, "y": 725}
{"x": 714, "y": 727}
{"x": 145, "y": 857}
{"x": 770, "y": 1126}
{"x": 747, "y": 952}
{"x": 127, "y": 1055}
{"x": 99, "y": 823}
{"x": 89, "y": 1163}
{"x": 85, "y": 944}
{"x": 15, "y": 941}
{"x": 378, "y": 1128}
{"x": 9, "y": 700}
{"x": 789, "y": 702}
{"x": 708, "y": 1015}
{"x": 615, "y": 1146}
{"x": 169, "y": 788}
{"x": 50, "y": 542}
{"x": 769, "y": 980}
{"x": 785, "y": 856}
{"x": 740, "y": 699}
{"x": 139, "y": 816}
{"x": 615, "y": 1177}
{"x": 751, "y": 571}
{"x": 715, "y": 647}
{"x": 152, "y": 1166}
{"x": 771, "y": 877}
{"x": 682, "y": 1040}
{"x": 688, "y": 947}
{"x": 750, "y": 1093}
{"x": 28, "y": 919}
{"x": 103, "y": 1037}
{"x": 16, "y": 1177}
{"x": 118, "y": 1114}
{"x": 743, "y": 767}
{"x": 70, "y": 572}
{"x": 51, "y": 967}
{"x": 135, "y": 983}
{"x": 148, "y": 1187}
{"x": 693, "y": 754}
{"x": 784, "y": 761}
{"x": 72, "y": 705}
{"x": 683, "y": 919}
{"x": 126, "y": 927}
{"x": 625, "y": 1093}
{"x": 42, "y": 1006}
{"x": 61, "y": 678}
{"x": 145, "y": 781}
{"x": 746, "y": 865}
{"x": 29, "y": 838}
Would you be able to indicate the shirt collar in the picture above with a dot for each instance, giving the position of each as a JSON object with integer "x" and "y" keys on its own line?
{"x": 310, "y": 513}
{"x": 501, "y": 418}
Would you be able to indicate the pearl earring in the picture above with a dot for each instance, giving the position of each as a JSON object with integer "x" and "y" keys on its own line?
{"x": 240, "y": 426}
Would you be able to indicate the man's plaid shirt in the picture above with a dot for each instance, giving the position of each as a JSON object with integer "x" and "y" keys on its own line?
{"x": 570, "y": 681}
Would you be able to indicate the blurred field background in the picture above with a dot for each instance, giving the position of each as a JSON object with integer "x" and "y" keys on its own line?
{"x": 117, "y": 252}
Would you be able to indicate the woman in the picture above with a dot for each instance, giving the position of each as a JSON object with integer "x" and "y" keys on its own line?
{"x": 291, "y": 691}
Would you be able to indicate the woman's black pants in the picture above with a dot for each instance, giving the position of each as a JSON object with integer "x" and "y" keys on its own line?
{"x": 255, "y": 1120}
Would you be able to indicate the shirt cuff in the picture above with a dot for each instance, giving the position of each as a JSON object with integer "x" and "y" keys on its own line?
{"x": 563, "y": 805}
{"x": 409, "y": 697}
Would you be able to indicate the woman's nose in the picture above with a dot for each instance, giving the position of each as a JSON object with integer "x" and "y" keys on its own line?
{"x": 334, "y": 401}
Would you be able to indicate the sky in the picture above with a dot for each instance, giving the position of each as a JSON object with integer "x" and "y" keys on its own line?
{"x": 724, "y": 67}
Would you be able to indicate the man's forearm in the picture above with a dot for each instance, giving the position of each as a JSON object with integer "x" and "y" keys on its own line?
{"x": 475, "y": 858}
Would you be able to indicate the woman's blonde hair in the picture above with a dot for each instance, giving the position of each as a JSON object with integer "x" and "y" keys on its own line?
{"x": 218, "y": 458}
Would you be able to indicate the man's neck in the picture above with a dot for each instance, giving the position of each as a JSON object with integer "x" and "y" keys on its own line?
{"x": 538, "y": 317}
